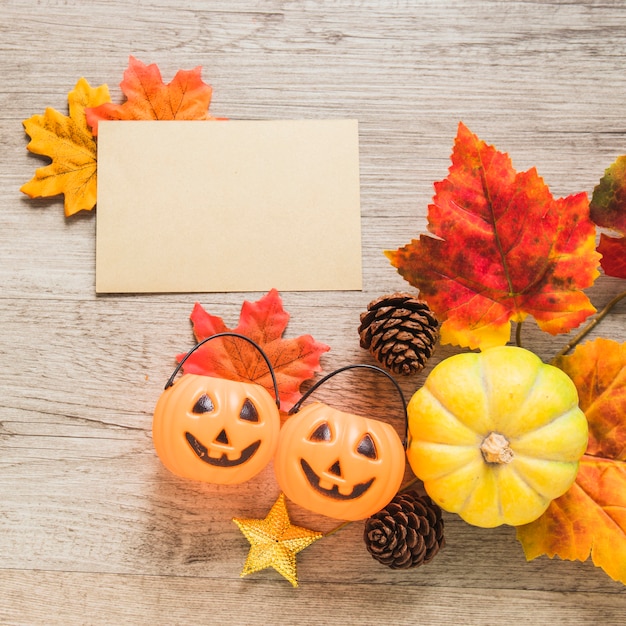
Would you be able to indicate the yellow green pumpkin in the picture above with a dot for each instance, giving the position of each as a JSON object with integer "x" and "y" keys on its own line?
{"x": 496, "y": 436}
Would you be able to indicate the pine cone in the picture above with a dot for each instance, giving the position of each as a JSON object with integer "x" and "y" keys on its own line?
{"x": 408, "y": 532}
{"x": 400, "y": 331}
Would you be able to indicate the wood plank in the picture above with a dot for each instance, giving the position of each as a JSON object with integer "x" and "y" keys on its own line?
{"x": 71, "y": 597}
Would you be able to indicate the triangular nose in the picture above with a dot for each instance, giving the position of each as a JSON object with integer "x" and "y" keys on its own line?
{"x": 222, "y": 437}
{"x": 335, "y": 469}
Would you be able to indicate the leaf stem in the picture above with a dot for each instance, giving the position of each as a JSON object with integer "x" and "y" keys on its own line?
{"x": 347, "y": 523}
{"x": 590, "y": 326}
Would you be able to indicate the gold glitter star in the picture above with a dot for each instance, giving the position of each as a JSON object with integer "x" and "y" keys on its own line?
{"x": 274, "y": 542}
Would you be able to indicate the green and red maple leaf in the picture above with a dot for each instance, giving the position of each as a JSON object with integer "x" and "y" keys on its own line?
{"x": 264, "y": 321}
{"x": 501, "y": 248}
{"x": 608, "y": 210}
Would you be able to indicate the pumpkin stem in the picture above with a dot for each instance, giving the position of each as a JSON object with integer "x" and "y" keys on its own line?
{"x": 495, "y": 449}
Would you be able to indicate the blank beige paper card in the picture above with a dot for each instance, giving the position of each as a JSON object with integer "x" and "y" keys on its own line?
{"x": 228, "y": 206}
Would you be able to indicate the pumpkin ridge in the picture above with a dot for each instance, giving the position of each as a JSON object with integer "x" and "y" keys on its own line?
{"x": 512, "y": 468}
{"x": 449, "y": 413}
{"x": 548, "y": 422}
{"x": 431, "y": 447}
{"x": 531, "y": 389}
{"x": 523, "y": 410}
{"x": 479, "y": 480}
{"x": 540, "y": 498}
{"x": 523, "y": 439}
{"x": 498, "y": 487}
{"x": 544, "y": 493}
{"x": 533, "y": 487}
{"x": 492, "y": 391}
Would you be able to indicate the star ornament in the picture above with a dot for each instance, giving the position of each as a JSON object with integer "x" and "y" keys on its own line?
{"x": 275, "y": 541}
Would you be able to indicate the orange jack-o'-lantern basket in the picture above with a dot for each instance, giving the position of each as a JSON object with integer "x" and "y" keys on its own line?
{"x": 339, "y": 464}
{"x": 216, "y": 430}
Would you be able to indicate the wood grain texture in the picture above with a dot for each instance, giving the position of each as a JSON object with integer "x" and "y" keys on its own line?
{"x": 93, "y": 530}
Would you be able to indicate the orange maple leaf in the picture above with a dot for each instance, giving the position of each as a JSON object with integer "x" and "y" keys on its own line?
{"x": 264, "y": 321}
{"x": 590, "y": 518}
{"x": 69, "y": 143}
{"x": 608, "y": 209}
{"x": 187, "y": 97}
{"x": 503, "y": 248}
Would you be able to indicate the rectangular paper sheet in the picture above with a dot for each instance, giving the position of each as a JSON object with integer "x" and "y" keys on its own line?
{"x": 228, "y": 206}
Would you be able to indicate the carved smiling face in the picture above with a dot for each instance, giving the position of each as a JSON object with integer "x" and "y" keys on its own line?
{"x": 338, "y": 464}
{"x": 215, "y": 430}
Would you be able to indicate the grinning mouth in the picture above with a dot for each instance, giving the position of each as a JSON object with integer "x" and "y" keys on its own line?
{"x": 314, "y": 480}
{"x": 223, "y": 461}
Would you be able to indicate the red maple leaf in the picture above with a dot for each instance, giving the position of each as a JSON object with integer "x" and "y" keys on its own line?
{"x": 264, "y": 321}
{"x": 608, "y": 209}
{"x": 503, "y": 248}
{"x": 187, "y": 97}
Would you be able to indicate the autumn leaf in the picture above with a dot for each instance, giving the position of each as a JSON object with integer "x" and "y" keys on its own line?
{"x": 590, "y": 518}
{"x": 608, "y": 209}
{"x": 613, "y": 251}
{"x": 187, "y": 97}
{"x": 502, "y": 248}
{"x": 69, "y": 143}
{"x": 264, "y": 321}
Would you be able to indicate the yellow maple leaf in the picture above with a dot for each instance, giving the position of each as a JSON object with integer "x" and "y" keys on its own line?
{"x": 590, "y": 518}
{"x": 68, "y": 141}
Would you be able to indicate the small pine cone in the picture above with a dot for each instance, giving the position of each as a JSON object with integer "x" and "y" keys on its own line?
{"x": 408, "y": 532}
{"x": 400, "y": 331}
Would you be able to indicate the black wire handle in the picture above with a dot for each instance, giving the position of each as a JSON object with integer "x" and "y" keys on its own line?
{"x": 296, "y": 407}
{"x": 170, "y": 381}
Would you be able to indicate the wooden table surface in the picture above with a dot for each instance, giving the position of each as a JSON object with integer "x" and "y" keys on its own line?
{"x": 93, "y": 529}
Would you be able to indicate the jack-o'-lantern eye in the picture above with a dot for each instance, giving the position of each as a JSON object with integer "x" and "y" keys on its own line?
{"x": 321, "y": 433}
{"x": 204, "y": 404}
{"x": 248, "y": 412}
{"x": 367, "y": 448}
